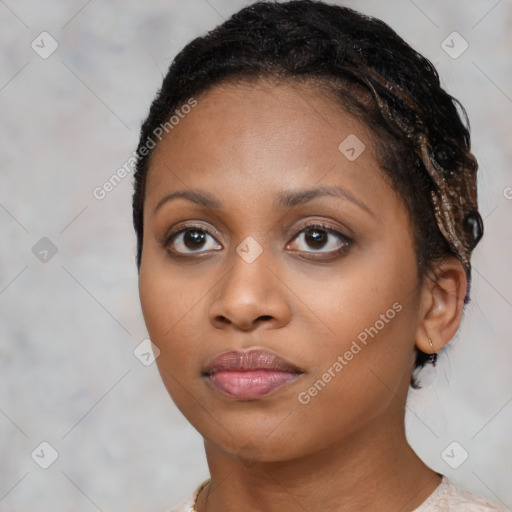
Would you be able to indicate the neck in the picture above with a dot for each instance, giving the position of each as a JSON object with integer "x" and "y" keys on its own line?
{"x": 371, "y": 470}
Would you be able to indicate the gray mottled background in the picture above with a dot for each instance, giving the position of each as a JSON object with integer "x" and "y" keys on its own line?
{"x": 71, "y": 320}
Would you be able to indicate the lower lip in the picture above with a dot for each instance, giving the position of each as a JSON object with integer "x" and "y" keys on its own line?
{"x": 250, "y": 384}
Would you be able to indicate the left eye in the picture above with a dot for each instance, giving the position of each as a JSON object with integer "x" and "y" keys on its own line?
{"x": 321, "y": 239}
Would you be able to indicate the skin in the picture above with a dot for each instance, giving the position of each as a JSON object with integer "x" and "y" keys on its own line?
{"x": 346, "y": 449}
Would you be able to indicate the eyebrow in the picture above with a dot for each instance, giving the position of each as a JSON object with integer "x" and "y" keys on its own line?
{"x": 286, "y": 199}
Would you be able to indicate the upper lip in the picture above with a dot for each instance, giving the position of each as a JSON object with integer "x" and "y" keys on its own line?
{"x": 249, "y": 360}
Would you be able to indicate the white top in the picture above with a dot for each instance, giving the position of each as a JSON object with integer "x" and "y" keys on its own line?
{"x": 447, "y": 497}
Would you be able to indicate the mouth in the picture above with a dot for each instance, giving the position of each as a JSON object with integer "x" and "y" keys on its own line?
{"x": 249, "y": 375}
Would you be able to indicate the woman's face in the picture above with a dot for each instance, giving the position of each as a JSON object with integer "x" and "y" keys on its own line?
{"x": 253, "y": 267}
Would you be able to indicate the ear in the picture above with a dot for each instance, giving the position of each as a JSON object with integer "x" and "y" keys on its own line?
{"x": 442, "y": 305}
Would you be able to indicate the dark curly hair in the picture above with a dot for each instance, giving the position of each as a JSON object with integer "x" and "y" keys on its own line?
{"x": 421, "y": 133}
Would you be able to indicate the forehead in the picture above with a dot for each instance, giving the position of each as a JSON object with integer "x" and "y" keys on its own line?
{"x": 251, "y": 141}
{"x": 294, "y": 112}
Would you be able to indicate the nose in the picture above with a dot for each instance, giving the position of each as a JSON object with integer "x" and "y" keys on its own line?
{"x": 249, "y": 296}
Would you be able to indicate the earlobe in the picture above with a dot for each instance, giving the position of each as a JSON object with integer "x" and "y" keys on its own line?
{"x": 442, "y": 305}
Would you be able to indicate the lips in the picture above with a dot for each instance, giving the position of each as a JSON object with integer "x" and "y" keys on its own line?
{"x": 249, "y": 375}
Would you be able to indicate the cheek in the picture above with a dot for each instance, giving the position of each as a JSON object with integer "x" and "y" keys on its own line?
{"x": 164, "y": 309}
{"x": 173, "y": 306}
{"x": 156, "y": 298}
{"x": 372, "y": 296}
{"x": 362, "y": 376}
{"x": 372, "y": 318}
{"x": 166, "y": 295}
{"x": 163, "y": 304}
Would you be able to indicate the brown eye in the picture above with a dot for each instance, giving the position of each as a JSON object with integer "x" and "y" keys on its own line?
{"x": 316, "y": 238}
{"x": 192, "y": 239}
{"x": 319, "y": 238}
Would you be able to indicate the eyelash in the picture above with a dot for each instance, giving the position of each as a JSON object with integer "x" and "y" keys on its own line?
{"x": 345, "y": 241}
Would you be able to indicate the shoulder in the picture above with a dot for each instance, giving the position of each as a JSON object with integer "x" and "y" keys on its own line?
{"x": 187, "y": 505}
{"x": 449, "y": 497}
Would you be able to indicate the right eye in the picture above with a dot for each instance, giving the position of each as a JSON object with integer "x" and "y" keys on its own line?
{"x": 191, "y": 239}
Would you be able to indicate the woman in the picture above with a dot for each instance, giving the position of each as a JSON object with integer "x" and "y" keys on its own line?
{"x": 305, "y": 206}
